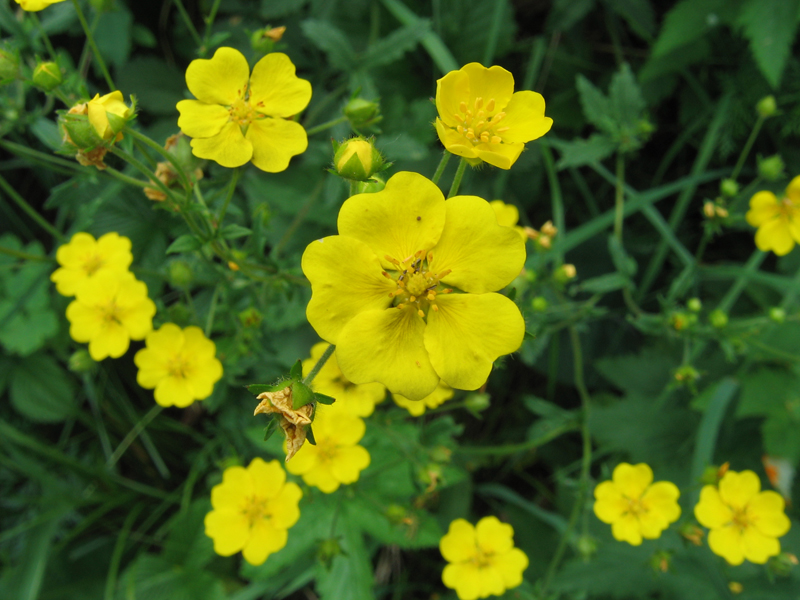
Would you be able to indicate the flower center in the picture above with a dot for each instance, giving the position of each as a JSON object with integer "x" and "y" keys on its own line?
{"x": 481, "y": 559}
{"x": 635, "y": 507}
{"x": 111, "y": 313}
{"x": 787, "y": 207}
{"x": 178, "y": 366}
{"x": 254, "y": 508}
{"x": 416, "y": 285}
{"x": 327, "y": 451}
{"x": 91, "y": 263}
{"x": 480, "y": 124}
{"x": 740, "y": 519}
{"x": 241, "y": 112}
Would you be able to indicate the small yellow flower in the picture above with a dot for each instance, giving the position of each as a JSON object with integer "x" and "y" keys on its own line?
{"x": 359, "y": 400}
{"x": 109, "y": 311}
{"x": 83, "y": 257}
{"x": 100, "y": 107}
{"x": 35, "y": 5}
{"x": 239, "y": 117}
{"x": 337, "y": 458}
{"x": 636, "y": 507}
{"x": 778, "y": 221}
{"x": 416, "y": 408}
{"x": 483, "y": 559}
{"x": 180, "y": 364}
{"x": 482, "y": 119}
{"x": 745, "y": 522}
{"x": 508, "y": 216}
{"x": 253, "y": 509}
{"x": 382, "y": 289}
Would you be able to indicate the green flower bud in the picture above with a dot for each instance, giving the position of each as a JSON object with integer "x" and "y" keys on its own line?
{"x": 530, "y": 276}
{"x": 718, "y": 319}
{"x": 77, "y": 132}
{"x": 777, "y": 314}
{"x": 261, "y": 43}
{"x": 81, "y": 362}
{"x": 250, "y": 318}
{"x": 771, "y": 168}
{"x": 767, "y": 107}
{"x": 327, "y": 550}
{"x": 362, "y": 113}
{"x": 477, "y": 402}
{"x": 180, "y": 273}
{"x": 539, "y": 304}
{"x": 357, "y": 159}
{"x": 661, "y": 561}
{"x": 396, "y": 513}
{"x": 374, "y": 184}
{"x": 782, "y": 564}
{"x": 728, "y": 188}
{"x": 47, "y": 76}
{"x": 694, "y": 305}
{"x": 9, "y": 67}
{"x": 682, "y": 320}
{"x": 441, "y": 454}
{"x": 587, "y": 546}
{"x": 564, "y": 273}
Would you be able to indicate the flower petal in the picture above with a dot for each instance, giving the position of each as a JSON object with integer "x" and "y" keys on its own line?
{"x": 507, "y": 214}
{"x": 775, "y": 235}
{"x": 727, "y": 543}
{"x": 493, "y": 536}
{"x": 525, "y": 118}
{"x": 502, "y": 156}
{"x": 268, "y": 477}
{"x": 711, "y": 511}
{"x": 305, "y": 460}
{"x": 349, "y": 462}
{"x": 451, "y": 91}
{"x": 737, "y": 489}
{"x": 763, "y": 207}
{"x": 236, "y": 486}
{"x": 275, "y": 90}
{"x": 482, "y": 255}
{"x": 662, "y": 498}
{"x": 793, "y": 190}
{"x": 491, "y": 581}
{"x": 465, "y": 579}
{"x": 632, "y": 480}
{"x": 222, "y": 79}
{"x": 492, "y": 83}
{"x": 511, "y": 566}
{"x": 174, "y": 391}
{"x": 759, "y": 547}
{"x": 627, "y": 529}
{"x": 609, "y": 503}
{"x": 468, "y": 333}
{"x": 264, "y": 540}
{"x": 408, "y": 215}
{"x": 454, "y": 142}
{"x": 275, "y": 142}
{"x": 229, "y": 147}
{"x": 766, "y": 512}
{"x": 229, "y": 529}
{"x": 201, "y": 120}
{"x": 459, "y": 543}
{"x": 112, "y": 340}
{"x": 283, "y": 508}
{"x": 346, "y": 279}
{"x": 322, "y": 477}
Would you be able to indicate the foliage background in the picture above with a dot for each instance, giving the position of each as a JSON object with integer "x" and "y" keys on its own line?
{"x": 103, "y": 497}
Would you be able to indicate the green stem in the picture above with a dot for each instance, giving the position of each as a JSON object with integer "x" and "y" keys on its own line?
{"x": 751, "y": 266}
{"x": 119, "y": 549}
{"x": 353, "y": 188}
{"x": 45, "y": 38}
{"x": 747, "y": 146}
{"x": 462, "y": 166}
{"x": 30, "y": 211}
{"x": 95, "y": 50}
{"x": 237, "y": 173}
{"x": 133, "y": 434}
{"x": 557, "y": 202}
{"x": 442, "y": 166}
{"x": 619, "y": 198}
{"x": 25, "y": 255}
{"x": 212, "y": 311}
{"x": 137, "y": 135}
{"x": 209, "y": 23}
{"x": 324, "y": 126}
{"x": 21, "y": 150}
{"x": 125, "y": 178}
{"x": 320, "y": 363}
{"x": 144, "y": 170}
{"x": 188, "y": 22}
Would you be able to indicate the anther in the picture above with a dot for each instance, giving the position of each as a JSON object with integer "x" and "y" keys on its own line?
{"x": 480, "y": 115}
{"x": 463, "y": 107}
{"x": 430, "y": 257}
{"x": 501, "y": 129}
{"x": 412, "y": 299}
{"x": 480, "y": 125}
{"x": 496, "y": 139}
{"x": 394, "y": 261}
{"x": 485, "y": 137}
{"x": 385, "y": 274}
{"x": 460, "y": 129}
{"x": 401, "y": 306}
{"x": 435, "y": 308}
{"x": 478, "y": 103}
{"x": 447, "y": 291}
{"x": 490, "y": 105}
{"x": 444, "y": 273}
{"x": 420, "y": 313}
{"x": 498, "y": 117}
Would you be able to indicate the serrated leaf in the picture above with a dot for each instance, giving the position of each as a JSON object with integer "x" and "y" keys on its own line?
{"x": 770, "y": 26}
{"x": 301, "y": 395}
{"x": 625, "y": 96}
{"x": 323, "y": 399}
{"x": 297, "y": 370}
{"x": 394, "y": 45}
{"x": 782, "y": 437}
{"x": 596, "y": 107}
{"x": 185, "y": 243}
{"x": 686, "y": 22}
{"x": 766, "y": 391}
{"x": 233, "y": 231}
{"x": 583, "y": 152}
{"x": 332, "y": 41}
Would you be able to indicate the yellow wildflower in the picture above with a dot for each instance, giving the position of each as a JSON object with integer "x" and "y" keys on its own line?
{"x": 83, "y": 257}
{"x": 483, "y": 559}
{"x": 745, "y": 522}
{"x": 35, "y": 5}
{"x": 636, "y": 507}
{"x": 239, "y": 117}
{"x": 416, "y": 408}
{"x": 100, "y": 107}
{"x": 379, "y": 289}
{"x": 253, "y": 509}
{"x": 508, "y": 216}
{"x": 359, "y": 400}
{"x": 337, "y": 458}
{"x": 778, "y": 221}
{"x": 293, "y": 422}
{"x": 109, "y": 311}
{"x": 482, "y": 119}
{"x": 180, "y": 364}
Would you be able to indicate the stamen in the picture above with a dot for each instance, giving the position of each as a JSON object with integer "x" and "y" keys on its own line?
{"x": 385, "y": 274}
{"x": 496, "y": 139}
{"x": 478, "y": 103}
{"x": 430, "y": 257}
{"x": 435, "y": 308}
{"x": 420, "y": 313}
{"x": 412, "y": 299}
{"x": 485, "y": 137}
{"x": 394, "y": 261}
{"x": 490, "y": 105}
{"x": 460, "y": 129}
{"x": 480, "y": 115}
{"x": 502, "y": 129}
{"x": 444, "y": 273}
{"x": 463, "y": 107}
{"x": 401, "y": 306}
{"x": 498, "y": 117}
{"x": 480, "y": 125}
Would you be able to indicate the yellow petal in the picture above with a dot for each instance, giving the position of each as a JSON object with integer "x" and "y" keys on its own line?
{"x": 459, "y": 543}
{"x": 525, "y": 118}
{"x": 482, "y": 255}
{"x": 349, "y": 462}
{"x": 627, "y": 529}
{"x": 454, "y": 142}
{"x": 493, "y": 536}
{"x": 763, "y": 207}
{"x": 201, "y": 120}
{"x": 112, "y": 340}
{"x": 468, "y": 333}
{"x": 775, "y": 235}
{"x": 727, "y": 543}
{"x": 235, "y": 488}
{"x": 275, "y": 142}
{"x": 115, "y": 250}
{"x": 662, "y": 498}
{"x": 502, "y": 156}
{"x": 507, "y": 214}
{"x": 321, "y": 476}
{"x": 609, "y": 503}
{"x": 174, "y": 391}
{"x": 268, "y": 477}
{"x": 737, "y": 489}
{"x": 711, "y": 511}
{"x": 511, "y": 566}
{"x": 346, "y": 279}
{"x": 793, "y": 190}
{"x": 229, "y": 529}
{"x": 652, "y": 523}
{"x": 229, "y": 147}
{"x": 632, "y": 480}
{"x": 222, "y": 79}
{"x": 451, "y": 91}
{"x": 85, "y": 321}
{"x": 492, "y": 83}
{"x": 387, "y": 346}
{"x": 465, "y": 579}
{"x": 766, "y": 512}
{"x": 306, "y": 460}
{"x": 491, "y": 581}
{"x": 275, "y": 90}
{"x": 758, "y": 547}
{"x": 196, "y": 344}
{"x": 152, "y": 368}
{"x": 264, "y": 540}
{"x": 283, "y": 508}
{"x": 408, "y": 215}
{"x": 415, "y": 408}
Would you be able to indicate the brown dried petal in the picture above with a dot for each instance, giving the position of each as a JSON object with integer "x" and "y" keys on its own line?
{"x": 293, "y": 422}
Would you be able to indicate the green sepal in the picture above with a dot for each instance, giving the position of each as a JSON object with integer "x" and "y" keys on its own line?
{"x": 260, "y": 388}
{"x": 271, "y": 428}
{"x": 301, "y": 395}
{"x": 310, "y": 436}
{"x": 323, "y": 399}
{"x": 297, "y": 370}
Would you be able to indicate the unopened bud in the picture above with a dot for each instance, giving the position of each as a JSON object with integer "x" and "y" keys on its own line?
{"x": 782, "y": 564}
{"x": 81, "y": 362}
{"x": 728, "y": 188}
{"x": 263, "y": 40}
{"x": 9, "y": 67}
{"x": 694, "y": 305}
{"x": 587, "y": 546}
{"x": 682, "y": 320}
{"x": 735, "y": 587}
{"x": 328, "y": 550}
{"x": 250, "y": 318}
{"x": 692, "y": 533}
{"x": 396, "y": 513}
{"x": 686, "y": 374}
{"x": 441, "y": 454}
{"x": 362, "y": 113}
{"x": 47, "y": 76}
{"x": 709, "y": 209}
{"x": 771, "y": 168}
{"x": 712, "y": 474}
{"x": 718, "y": 319}
{"x": 476, "y": 402}
{"x": 180, "y": 273}
{"x": 539, "y": 304}
{"x": 357, "y": 159}
{"x": 661, "y": 561}
{"x": 767, "y": 107}
{"x": 564, "y": 273}
{"x": 549, "y": 229}
{"x": 777, "y": 314}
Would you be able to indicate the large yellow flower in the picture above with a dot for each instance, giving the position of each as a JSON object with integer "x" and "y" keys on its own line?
{"x": 253, "y": 509}
{"x": 745, "y": 522}
{"x": 482, "y": 119}
{"x": 416, "y": 408}
{"x": 35, "y": 5}
{"x": 508, "y": 216}
{"x": 108, "y": 312}
{"x": 84, "y": 257}
{"x": 778, "y": 221}
{"x": 384, "y": 289}
{"x": 336, "y": 458}
{"x": 239, "y": 117}
{"x": 636, "y": 507}
{"x": 179, "y": 364}
{"x": 483, "y": 559}
{"x": 359, "y": 400}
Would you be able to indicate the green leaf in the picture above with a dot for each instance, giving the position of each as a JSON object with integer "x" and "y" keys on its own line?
{"x": 622, "y": 261}
{"x": 301, "y": 395}
{"x": 565, "y": 13}
{"x": 113, "y": 35}
{"x": 686, "y": 22}
{"x": 156, "y": 578}
{"x": 639, "y": 14}
{"x": 782, "y": 437}
{"x": 271, "y": 9}
{"x": 323, "y": 399}
{"x": 625, "y": 96}
{"x": 602, "y": 284}
{"x": 583, "y": 152}
{"x": 394, "y": 45}
{"x": 350, "y": 576}
{"x": 646, "y": 373}
{"x": 25, "y": 581}
{"x": 596, "y": 107}
{"x": 332, "y": 41}
{"x": 41, "y": 390}
{"x": 188, "y": 546}
{"x": 159, "y": 86}
{"x": 46, "y": 131}
{"x": 766, "y": 391}
{"x": 271, "y": 427}
{"x": 259, "y": 388}
{"x": 770, "y": 26}
{"x": 297, "y": 370}
{"x": 234, "y": 231}
{"x": 185, "y": 243}
{"x": 310, "y": 436}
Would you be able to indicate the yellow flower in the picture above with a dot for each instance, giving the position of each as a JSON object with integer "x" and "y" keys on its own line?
{"x": 109, "y": 311}
{"x": 239, "y": 117}
{"x": 483, "y": 559}
{"x": 35, "y": 5}
{"x": 100, "y": 107}
{"x": 337, "y": 458}
{"x": 439, "y": 396}
{"x": 482, "y": 119}
{"x": 745, "y": 522}
{"x": 84, "y": 257}
{"x": 778, "y": 221}
{"x": 253, "y": 509}
{"x": 379, "y": 289}
{"x": 507, "y": 216}
{"x": 634, "y": 505}
{"x": 359, "y": 400}
{"x": 180, "y": 364}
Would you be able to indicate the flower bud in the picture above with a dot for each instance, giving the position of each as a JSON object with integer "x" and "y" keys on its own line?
{"x": 180, "y": 273}
{"x": 263, "y": 40}
{"x": 692, "y": 533}
{"x": 661, "y": 561}
{"x": 777, "y": 314}
{"x": 250, "y": 318}
{"x": 709, "y": 209}
{"x": 564, "y": 273}
{"x": 47, "y": 76}
{"x": 587, "y": 546}
{"x": 357, "y": 159}
{"x": 771, "y": 168}
{"x": 441, "y": 454}
{"x": 728, "y": 188}
{"x": 539, "y": 304}
{"x": 682, "y": 320}
{"x": 396, "y": 513}
{"x": 734, "y": 586}
{"x": 718, "y": 319}
{"x": 686, "y": 374}
{"x": 694, "y": 305}
{"x": 77, "y": 132}
{"x": 362, "y": 113}
{"x": 81, "y": 362}
{"x": 9, "y": 66}
{"x": 327, "y": 550}
{"x": 476, "y": 402}
{"x": 549, "y": 229}
{"x": 374, "y": 184}
{"x": 782, "y": 564}
{"x": 766, "y": 107}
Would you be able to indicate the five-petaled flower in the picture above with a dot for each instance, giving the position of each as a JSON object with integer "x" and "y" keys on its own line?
{"x": 35, "y": 5}
{"x": 482, "y": 119}
{"x": 745, "y": 522}
{"x": 384, "y": 289}
{"x": 336, "y": 458}
{"x": 778, "y": 221}
{"x": 239, "y": 117}
{"x": 83, "y": 257}
{"x": 180, "y": 364}
{"x": 636, "y": 507}
{"x": 109, "y": 311}
{"x": 253, "y": 509}
{"x": 483, "y": 559}
{"x": 416, "y": 408}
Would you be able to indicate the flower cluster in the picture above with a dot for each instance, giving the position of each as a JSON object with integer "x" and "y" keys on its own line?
{"x": 439, "y": 396}
{"x": 778, "y": 221}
